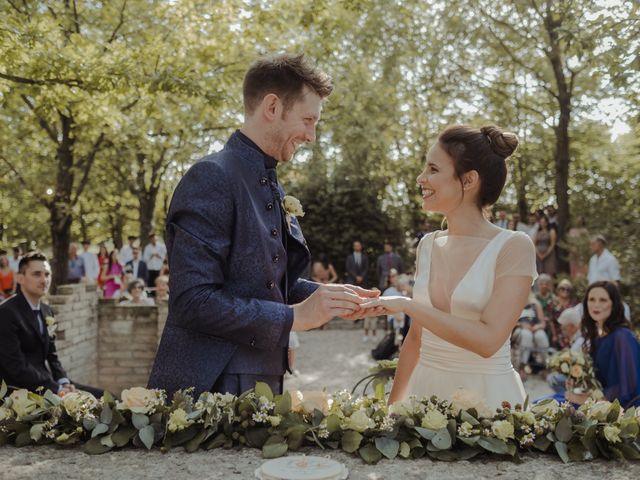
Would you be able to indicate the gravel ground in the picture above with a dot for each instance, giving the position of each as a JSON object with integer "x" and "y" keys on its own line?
{"x": 332, "y": 358}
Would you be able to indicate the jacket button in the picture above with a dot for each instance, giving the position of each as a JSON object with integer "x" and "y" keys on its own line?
{"x": 269, "y": 206}
{"x": 276, "y": 258}
{"x": 263, "y": 181}
{"x": 270, "y": 285}
{"x": 274, "y": 232}
{"x": 252, "y": 342}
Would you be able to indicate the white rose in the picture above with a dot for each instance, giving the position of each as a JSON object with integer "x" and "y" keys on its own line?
{"x": 75, "y": 401}
{"x": 359, "y": 421}
{"x": 546, "y": 409}
{"x": 21, "y": 403}
{"x": 138, "y": 399}
{"x": 5, "y": 413}
{"x": 612, "y": 433}
{"x": 465, "y": 399}
{"x": 502, "y": 429}
{"x": 292, "y": 206}
{"x": 402, "y": 408}
{"x": 434, "y": 420}
{"x": 564, "y": 367}
{"x": 178, "y": 420}
{"x": 528, "y": 417}
{"x": 311, "y": 400}
{"x": 599, "y": 410}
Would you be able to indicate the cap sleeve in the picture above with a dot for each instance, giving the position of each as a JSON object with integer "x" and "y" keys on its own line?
{"x": 517, "y": 257}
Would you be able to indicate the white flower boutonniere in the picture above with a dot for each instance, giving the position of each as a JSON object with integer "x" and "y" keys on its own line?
{"x": 292, "y": 206}
{"x": 52, "y": 325}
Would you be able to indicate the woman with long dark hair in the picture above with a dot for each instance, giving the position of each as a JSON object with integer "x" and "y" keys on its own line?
{"x": 612, "y": 345}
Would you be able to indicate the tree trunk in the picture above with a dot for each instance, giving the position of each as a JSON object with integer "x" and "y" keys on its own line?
{"x": 60, "y": 226}
{"x": 146, "y": 209}
{"x": 117, "y": 225}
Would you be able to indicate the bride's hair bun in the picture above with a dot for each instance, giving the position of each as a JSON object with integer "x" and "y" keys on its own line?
{"x": 502, "y": 143}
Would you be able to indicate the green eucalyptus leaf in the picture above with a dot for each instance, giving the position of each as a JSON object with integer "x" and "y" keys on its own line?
{"x": 562, "y": 450}
{"x": 471, "y": 441}
{"x": 147, "y": 436}
{"x": 295, "y": 437}
{"x": 123, "y": 435}
{"x": 193, "y": 444}
{"x": 95, "y": 447}
{"x": 333, "y": 423}
{"x": 3, "y": 390}
{"x": 106, "y": 415}
{"x": 99, "y": 430}
{"x": 52, "y": 398}
{"x": 23, "y": 438}
{"x": 405, "y": 450}
{"x": 370, "y": 454}
{"x": 257, "y": 436}
{"x": 107, "y": 441}
{"x": 139, "y": 420}
{"x": 274, "y": 447}
{"x": 389, "y": 447}
{"x": 89, "y": 424}
{"x": 442, "y": 439}
{"x": 563, "y": 430}
{"x": 35, "y": 432}
{"x": 425, "y": 432}
{"x": 216, "y": 442}
{"x": 351, "y": 441}
{"x": 264, "y": 390}
{"x": 283, "y": 404}
{"x": 466, "y": 417}
{"x": 493, "y": 445}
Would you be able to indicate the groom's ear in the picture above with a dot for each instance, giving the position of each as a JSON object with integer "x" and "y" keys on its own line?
{"x": 470, "y": 180}
{"x": 271, "y": 107}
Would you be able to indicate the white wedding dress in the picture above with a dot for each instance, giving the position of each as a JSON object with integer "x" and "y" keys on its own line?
{"x": 456, "y": 274}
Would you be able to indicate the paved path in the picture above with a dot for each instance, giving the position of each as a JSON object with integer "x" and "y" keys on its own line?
{"x": 332, "y": 358}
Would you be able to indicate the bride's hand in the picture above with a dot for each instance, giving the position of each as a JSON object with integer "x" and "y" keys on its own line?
{"x": 387, "y": 305}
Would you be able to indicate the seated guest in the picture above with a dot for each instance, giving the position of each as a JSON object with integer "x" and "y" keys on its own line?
{"x": 138, "y": 266}
{"x": 28, "y": 357}
{"x": 562, "y": 300}
{"x": 612, "y": 345}
{"x": 162, "y": 289}
{"x": 530, "y": 335}
{"x": 135, "y": 289}
{"x": 569, "y": 322}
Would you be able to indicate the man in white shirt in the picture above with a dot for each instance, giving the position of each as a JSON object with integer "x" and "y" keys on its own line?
{"x": 153, "y": 256}
{"x": 126, "y": 253}
{"x": 91, "y": 264}
{"x": 520, "y": 225}
{"x": 602, "y": 265}
{"x": 14, "y": 261}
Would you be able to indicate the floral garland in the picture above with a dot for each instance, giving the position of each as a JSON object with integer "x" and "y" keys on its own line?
{"x": 445, "y": 430}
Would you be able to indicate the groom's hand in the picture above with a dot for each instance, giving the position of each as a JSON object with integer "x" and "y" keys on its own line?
{"x": 326, "y": 302}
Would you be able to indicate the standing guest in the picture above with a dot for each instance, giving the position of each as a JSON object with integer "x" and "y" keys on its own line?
{"x": 162, "y": 289}
{"x": 511, "y": 225}
{"x": 388, "y": 260}
{"x": 91, "y": 263}
{"x": 612, "y": 345}
{"x": 138, "y": 266}
{"x": 562, "y": 301}
{"x": 545, "y": 242}
{"x": 165, "y": 267}
{"x": 126, "y": 254}
{"x": 322, "y": 271}
{"x": 7, "y": 278}
{"x": 502, "y": 220}
{"x": 154, "y": 255}
{"x": 552, "y": 216}
{"x": 76, "y": 272}
{"x": 112, "y": 276}
{"x": 520, "y": 226}
{"x": 357, "y": 266}
{"x": 137, "y": 295}
{"x": 103, "y": 261}
{"x": 603, "y": 266}
{"x": 14, "y": 260}
{"x": 236, "y": 252}
{"x": 578, "y": 238}
{"x": 533, "y": 225}
{"x": 28, "y": 357}
{"x": 390, "y": 291}
{"x": 546, "y": 298}
{"x": 569, "y": 322}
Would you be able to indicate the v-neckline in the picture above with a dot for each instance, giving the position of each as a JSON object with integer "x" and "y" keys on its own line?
{"x": 464, "y": 277}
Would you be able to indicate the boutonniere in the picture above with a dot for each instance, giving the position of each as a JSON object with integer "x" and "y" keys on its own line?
{"x": 52, "y": 325}
{"x": 292, "y": 207}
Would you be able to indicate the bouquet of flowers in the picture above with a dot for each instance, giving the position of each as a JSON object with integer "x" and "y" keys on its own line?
{"x": 578, "y": 369}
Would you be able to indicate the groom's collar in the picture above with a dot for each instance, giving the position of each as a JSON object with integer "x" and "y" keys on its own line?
{"x": 269, "y": 161}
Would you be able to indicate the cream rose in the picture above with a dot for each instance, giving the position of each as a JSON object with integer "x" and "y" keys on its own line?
{"x": 465, "y": 399}
{"x": 358, "y": 421}
{"x": 292, "y": 206}
{"x": 564, "y": 368}
{"x": 5, "y": 413}
{"x": 178, "y": 420}
{"x": 21, "y": 403}
{"x": 546, "y": 409}
{"x": 612, "y": 433}
{"x": 311, "y": 400}
{"x": 502, "y": 429}
{"x": 138, "y": 399}
{"x": 600, "y": 410}
{"x": 74, "y": 402}
{"x": 576, "y": 371}
{"x": 434, "y": 420}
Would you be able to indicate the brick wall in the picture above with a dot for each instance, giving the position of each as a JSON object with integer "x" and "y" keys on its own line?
{"x": 76, "y": 312}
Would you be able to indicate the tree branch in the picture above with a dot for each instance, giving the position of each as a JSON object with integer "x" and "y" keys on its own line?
{"x": 24, "y": 183}
{"x": 51, "y": 131}
{"x": 15, "y": 7}
{"x": 120, "y": 23}
{"x": 76, "y": 21}
{"x": 88, "y": 163}
{"x": 71, "y": 82}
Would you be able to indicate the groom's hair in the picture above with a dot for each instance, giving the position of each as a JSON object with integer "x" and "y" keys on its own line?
{"x": 286, "y": 76}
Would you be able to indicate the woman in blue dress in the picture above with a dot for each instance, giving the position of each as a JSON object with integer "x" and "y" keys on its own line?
{"x": 612, "y": 345}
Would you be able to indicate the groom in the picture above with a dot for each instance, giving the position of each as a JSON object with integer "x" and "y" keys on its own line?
{"x": 236, "y": 256}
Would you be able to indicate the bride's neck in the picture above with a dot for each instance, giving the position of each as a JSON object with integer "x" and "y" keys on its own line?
{"x": 467, "y": 220}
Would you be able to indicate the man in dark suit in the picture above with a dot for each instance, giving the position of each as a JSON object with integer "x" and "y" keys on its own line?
{"x": 28, "y": 357}
{"x": 357, "y": 266}
{"x": 138, "y": 266}
{"x": 388, "y": 260}
{"x": 236, "y": 249}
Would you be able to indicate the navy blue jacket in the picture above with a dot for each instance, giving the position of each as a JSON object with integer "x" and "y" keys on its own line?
{"x": 231, "y": 275}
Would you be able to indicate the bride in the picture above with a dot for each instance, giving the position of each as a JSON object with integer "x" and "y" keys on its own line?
{"x": 472, "y": 280}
